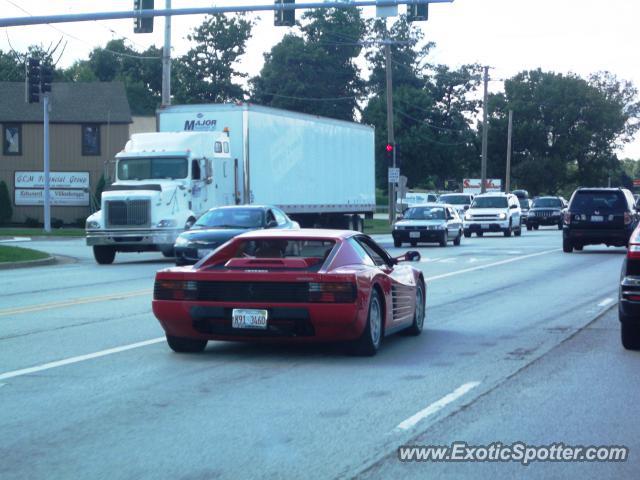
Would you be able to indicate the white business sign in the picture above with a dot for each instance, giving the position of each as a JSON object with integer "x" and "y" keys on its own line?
{"x": 56, "y": 180}
{"x": 472, "y": 185}
{"x": 61, "y": 198}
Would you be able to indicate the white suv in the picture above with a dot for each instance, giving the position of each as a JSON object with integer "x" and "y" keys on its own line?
{"x": 493, "y": 212}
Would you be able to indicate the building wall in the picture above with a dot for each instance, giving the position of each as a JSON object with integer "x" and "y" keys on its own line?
{"x": 65, "y": 155}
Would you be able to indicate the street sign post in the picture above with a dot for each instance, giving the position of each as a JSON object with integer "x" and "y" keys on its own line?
{"x": 394, "y": 175}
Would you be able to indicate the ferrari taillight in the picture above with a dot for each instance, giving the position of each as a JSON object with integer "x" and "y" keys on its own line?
{"x": 332, "y": 292}
{"x": 175, "y": 290}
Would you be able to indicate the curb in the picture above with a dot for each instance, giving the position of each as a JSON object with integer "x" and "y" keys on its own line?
{"x": 31, "y": 263}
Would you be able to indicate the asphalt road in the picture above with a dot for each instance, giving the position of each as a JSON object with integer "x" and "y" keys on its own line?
{"x": 521, "y": 342}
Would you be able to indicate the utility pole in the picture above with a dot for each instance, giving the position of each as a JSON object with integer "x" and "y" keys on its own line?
{"x": 47, "y": 198}
{"x": 507, "y": 180}
{"x": 166, "y": 59}
{"x": 485, "y": 132}
{"x": 390, "y": 133}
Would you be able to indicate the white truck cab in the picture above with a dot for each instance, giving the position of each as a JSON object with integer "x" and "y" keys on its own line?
{"x": 164, "y": 181}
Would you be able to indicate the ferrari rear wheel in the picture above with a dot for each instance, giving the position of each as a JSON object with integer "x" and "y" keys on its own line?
{"x": 418, "y": 316}
{"x": 369, "y": 342}
{"x": 186, "y": 345}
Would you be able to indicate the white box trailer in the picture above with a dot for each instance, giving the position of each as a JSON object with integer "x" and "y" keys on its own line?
{"x": 319, "y": 170}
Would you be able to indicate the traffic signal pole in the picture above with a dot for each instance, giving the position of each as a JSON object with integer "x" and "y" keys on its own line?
{"x": 485, "y": 133}
{"x": 47, "y": 199}
{"x": 390, "y": 133}
{"x": 166, "y": 59}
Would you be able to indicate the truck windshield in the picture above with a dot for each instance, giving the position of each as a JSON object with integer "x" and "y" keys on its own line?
{"x": 455, "y": 199}
{"x": 490, "y": 202}
{"x": 547, "y": 203}
{"x": 152, "y": 168}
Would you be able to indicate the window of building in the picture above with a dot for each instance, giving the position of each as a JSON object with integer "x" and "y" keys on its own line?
{"x": 12, "y": 139}
{"x": 90, "y": 140}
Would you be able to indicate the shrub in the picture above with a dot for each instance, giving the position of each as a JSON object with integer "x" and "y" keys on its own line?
{"x": 6, "y": 210}
{"x": 31, "y": 222}
{"x": 56, "y": 223}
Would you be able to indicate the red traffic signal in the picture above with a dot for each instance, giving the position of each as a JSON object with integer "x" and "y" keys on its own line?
{"x": 389, "y": 148}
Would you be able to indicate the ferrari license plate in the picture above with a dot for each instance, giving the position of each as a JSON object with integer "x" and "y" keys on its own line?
{"x": 249, "y": 318}
{"x": 597, "y": 218}
{"x": 414, "y": 234}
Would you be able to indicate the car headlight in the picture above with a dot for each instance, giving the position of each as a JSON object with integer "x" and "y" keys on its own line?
{"x": 167, "y": 223}
{"x": 182, "y": 241}
{"x": 502, "y": 216}
{"x": 92, "y": 225}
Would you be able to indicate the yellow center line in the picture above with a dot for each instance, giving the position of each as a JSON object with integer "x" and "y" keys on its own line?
{"x": 78, "y": 301}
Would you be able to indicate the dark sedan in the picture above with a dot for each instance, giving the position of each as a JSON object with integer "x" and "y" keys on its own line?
{"x": 221, "y": 224}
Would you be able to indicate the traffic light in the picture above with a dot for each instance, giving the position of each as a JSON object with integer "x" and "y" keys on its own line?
{"x": 389, "y": 153}
{"x": 418, "y": 12}
{"x": 33, "y": 80}
{"x": 143, "y": 25}
{"x": 284, "y": 18}
{"x": 46, "y": 77}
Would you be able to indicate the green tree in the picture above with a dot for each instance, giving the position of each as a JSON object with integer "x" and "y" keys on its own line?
{"x": 566, "y": 129}
{"x": 316, "y": 73}
{"x": 208, "y": 72}
{"x": 11, "y": 67}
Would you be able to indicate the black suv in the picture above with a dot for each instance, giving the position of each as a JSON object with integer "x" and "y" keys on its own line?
{"x": 545, "y": 211}
{"x": 599, "y": 215}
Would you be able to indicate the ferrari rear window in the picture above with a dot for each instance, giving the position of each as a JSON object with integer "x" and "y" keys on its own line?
{"x": 285, "y": 248}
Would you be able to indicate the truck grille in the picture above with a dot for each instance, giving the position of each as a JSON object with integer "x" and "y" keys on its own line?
{"x": 131, "y": 213}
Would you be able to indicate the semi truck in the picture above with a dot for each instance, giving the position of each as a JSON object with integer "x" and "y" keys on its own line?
{"x": 320, "y": 171}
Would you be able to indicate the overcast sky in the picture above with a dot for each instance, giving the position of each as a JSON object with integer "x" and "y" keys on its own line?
{"x": 580, "y": 36}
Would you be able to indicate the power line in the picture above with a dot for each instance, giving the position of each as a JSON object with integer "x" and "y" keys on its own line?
{"x": 446, "y": 144}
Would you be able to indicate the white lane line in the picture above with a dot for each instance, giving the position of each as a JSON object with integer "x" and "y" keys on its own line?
{"x": 489, "y": 265}
{"x": 436, "y": 406}
{"x": 79, "y": 358}
{"x": 605, "y": 302}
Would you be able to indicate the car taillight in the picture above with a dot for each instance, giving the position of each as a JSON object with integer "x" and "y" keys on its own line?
{"x": 633, "y": 252}
{"x": 331, "y": 292}
{"x": 567, "y": 218}
{"x": 627, "y": 218}
{"x": 175, "y": 290}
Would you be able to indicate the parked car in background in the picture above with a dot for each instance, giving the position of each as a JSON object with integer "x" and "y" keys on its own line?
{"x": 546, "y": 211}
{"x": 460, "y": 201}
{"x": 629, "y": 295}
{"x": 415, "y": 198}
{"x": 493, "y": 212}
{"x": 431, "y": 222}
{"x": 599, "y": 216}
{"x": 221, "y": 224}
{"x": 292, "y": 285}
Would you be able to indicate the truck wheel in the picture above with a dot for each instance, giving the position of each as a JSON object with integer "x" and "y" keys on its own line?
{"x": 507, "y": 232}
{"x": 168, "y": 251}
{"x": 369, "y": 342}
{"x": 413, "y": 243}
{"x": 529, "y": 227}
{"x": 104, "y": 255}
{"x": 479, "y": 234}
{"x": 359, "y": 223}
{"x": 560, "y": 226}
{"x": 536, "y": 227}
{"x": 567, "y": 246}
{"x": 518, "y": 232}
{"x": 467, "y": 234}
{"x": 457, "y": 240}
{"x": 186, "y": 345}
{"x": 397, "y": 243}
{"x": 630, "y": 336}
